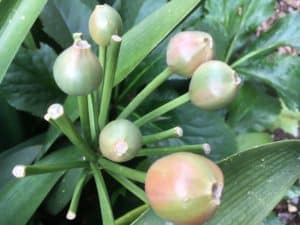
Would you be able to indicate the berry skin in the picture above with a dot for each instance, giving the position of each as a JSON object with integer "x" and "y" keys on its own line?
{"x": 213, "y": 85}
{"x": 77, "y": 70}
{"x": 120, "y": 140}
{"x": 187, "y": 50}
{"x": 104, "y": 22}
{"x": 184, "y": 188}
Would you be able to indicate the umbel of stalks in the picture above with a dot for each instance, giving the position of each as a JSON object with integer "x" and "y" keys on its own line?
{"x": 104, "y": 22}
{"x": 213, "y": 85}
{"x": 119, "y": 140}
{"x": 77, "y": 70}
{"x": 187, "y": 50}
{"x": 184, "y": 188}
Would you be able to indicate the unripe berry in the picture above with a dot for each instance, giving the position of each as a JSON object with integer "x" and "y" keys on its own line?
{"x": 77, "y": 70}
{"x": 213, "y": 85}
{"x": 120, "y": 140}
{"x": 104, "y": 22}
{"x": 184, "y": 188}
{"x": 187, "y": 50}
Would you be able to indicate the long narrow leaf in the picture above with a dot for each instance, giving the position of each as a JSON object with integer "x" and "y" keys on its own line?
{"x": 138, "y": 42}
{"x": 16, "y": 19}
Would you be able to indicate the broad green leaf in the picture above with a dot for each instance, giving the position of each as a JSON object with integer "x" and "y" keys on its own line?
{"x": 23, "y": 196}
{"x": 29, "y": 84}
{"x": 132, "y": 12}
{"x": 62, "y": 192}
{"x": 253, "y": 109}
{"x": 145, "y": 36}
{"x": 255, "y": 181}
{"x": 251, "y": 140}
{"x": 285, "y": 32}
{"x": 63, "y": 18}
{"x": 272, "y": 219}
{"x": 288, "y": 121}
{"x": 280, "y": 72}
{"x": 16, "y": 19}
{"x": 231, "y": 22}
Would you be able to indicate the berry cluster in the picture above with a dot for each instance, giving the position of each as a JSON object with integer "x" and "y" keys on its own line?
{"x": 182, "y": 187}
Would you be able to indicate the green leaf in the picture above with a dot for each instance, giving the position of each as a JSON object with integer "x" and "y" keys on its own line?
{"x": 29, "y": 84}
{"x": 288, "y": 121}
{"x": 272, "y": 220}
{"x": 255, "y": 181}
{"x": 11, "y": 132}
{"x": 253, "y": 109}
{"x": 16, "y": 19}
{"x": 23, "y": 196}
{"x": 149, "y": 33}
{"x": 132, "y": 12}
{"x": 285, "y": 32}
{"x": 63, "y": 18}
{"x": 231, "y": 22}
{"x": 280, "y": 72}
{"x": 251, "y": 140}
{"x": 62, "y": 192}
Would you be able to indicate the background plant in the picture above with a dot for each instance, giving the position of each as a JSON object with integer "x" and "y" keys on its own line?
{"x": 269, "y": 95}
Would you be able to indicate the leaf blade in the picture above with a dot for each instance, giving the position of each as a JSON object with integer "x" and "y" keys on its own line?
{"x": 14, "y": 27}
{"x": 149, "y": 33}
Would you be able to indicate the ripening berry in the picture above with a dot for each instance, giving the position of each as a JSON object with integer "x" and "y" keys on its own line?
{"x": 104, "y": 22}
{"x": 187, "y": 50}
{"x": 120, "y": 140}
{"x": 184, "y": 188}
{"x": 77, "y": 70}
{"x": 213, "y": 85}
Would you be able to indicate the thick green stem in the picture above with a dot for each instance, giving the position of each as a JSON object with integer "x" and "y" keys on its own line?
{"x": 173, "y": 132}
{"x": 102, "y": 56}
{"x": 163, "y": 109}
{"x": 155, "y": 83}
{"x": 123, "y": 170}
{"x": 130, "y": 216}
{"x": 105, "y": 206}
{"x": 28, "y": 170}
{"x": 130, "y": 186}
{"x": 102, "y": 60}
{"x": 253, "y": 54}
{"x": 111, "y": 64}
{"x": 83, "y": 109}
{"x": 137, "y": 77}
{"x": 76, "y": 196}
{"x": 58, "y": 118}
{"x": 200, "y": 149}
{"x": 93, "y": 116}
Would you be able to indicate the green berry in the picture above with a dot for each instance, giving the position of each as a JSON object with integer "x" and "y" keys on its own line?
{"x": 184, "y": 188}
{"x": 77, "y": 70}
{"x": 213, "y": 85}
{"x": 187, "y": 50}
{"x": 104, "y": 22}
{"x": 120, "y": 140}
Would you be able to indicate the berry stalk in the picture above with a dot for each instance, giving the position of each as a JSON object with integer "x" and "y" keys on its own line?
{"x": 111, "y": 64}
{"x": 163, "y": 109}
{"x": 155, "y": 83}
